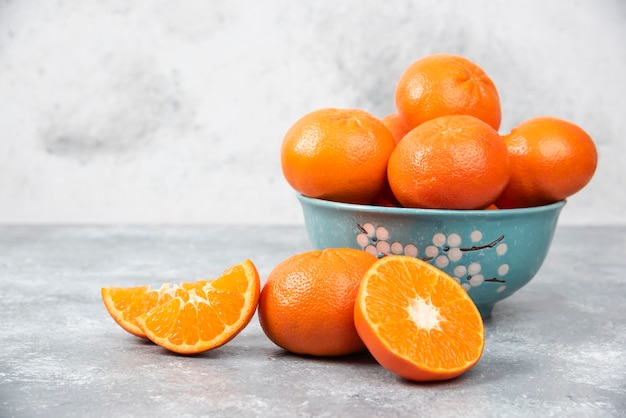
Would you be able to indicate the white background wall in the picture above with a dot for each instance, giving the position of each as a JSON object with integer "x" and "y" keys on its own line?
{"x": 155, "y": 111}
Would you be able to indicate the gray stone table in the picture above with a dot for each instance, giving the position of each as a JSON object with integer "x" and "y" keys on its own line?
{"x": 555, "y": 348}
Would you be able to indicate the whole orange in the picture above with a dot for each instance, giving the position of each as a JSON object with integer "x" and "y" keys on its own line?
{"x": 445, "y": 84}
{"x": 451, "y": 162}
{"x": 337, "y": 154}
{"x": 396, "y": 125}
{"x": 551, "y": 159}
{"x": 307, "y": 302}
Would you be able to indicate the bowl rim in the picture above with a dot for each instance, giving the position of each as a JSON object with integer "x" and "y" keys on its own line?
{"x": 419, "y": 211}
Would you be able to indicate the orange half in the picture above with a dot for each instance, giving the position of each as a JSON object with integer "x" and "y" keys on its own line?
{"x": 207, "y": 313}
{"x": 417, "y": 321}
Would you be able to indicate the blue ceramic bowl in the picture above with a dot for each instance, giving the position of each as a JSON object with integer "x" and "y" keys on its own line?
{"x": 491, "y": 253}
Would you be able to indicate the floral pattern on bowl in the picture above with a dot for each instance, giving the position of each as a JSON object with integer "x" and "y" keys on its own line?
{"x": 445, "y": 252}
{"x": 491, "y": 253}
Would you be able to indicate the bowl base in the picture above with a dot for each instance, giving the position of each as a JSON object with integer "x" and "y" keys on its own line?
{"x": 485, "y": 309}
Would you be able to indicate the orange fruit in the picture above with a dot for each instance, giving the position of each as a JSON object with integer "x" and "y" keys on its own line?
{"x": 417, "y": 321}
{"x": 445, "y": 84}
{"x": 396, "y": 125}
{"x": 337, "y": 154}
{"x": 451, "y": 162}
{"x": 307, "y": 302}
{"x": 209, "y": 314}
{"x": 193, "y": 317}
{"x": 551, "y": 159}
{"x": 386, "y": 198}
{"x": 125, "y": 304}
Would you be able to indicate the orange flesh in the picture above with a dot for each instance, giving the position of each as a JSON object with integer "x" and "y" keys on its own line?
{"x": 418, "y": 315}
{"x": 206, "y": 314}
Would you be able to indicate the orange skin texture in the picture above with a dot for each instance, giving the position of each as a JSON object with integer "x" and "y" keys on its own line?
{"x": 451, "y": 162}
{"x": 551, "y": 159}
{"x": 445, "y": 84}
{"x": 307, "y": 303}
{"x": 337, "y": 154}
{"x": 396, "y": 125}
{"x": 386, "y": 198}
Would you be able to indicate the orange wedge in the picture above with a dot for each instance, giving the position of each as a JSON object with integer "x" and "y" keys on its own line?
{"x": 207, "y": 313}
{"x": 125, "y": 304}
{"x": 417, "y": 321}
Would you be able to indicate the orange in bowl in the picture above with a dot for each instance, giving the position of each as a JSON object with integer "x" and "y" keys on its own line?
{"x": 445, "y": 84}
{"x": 451, "y": 162}
{"x": 337, "y": 154}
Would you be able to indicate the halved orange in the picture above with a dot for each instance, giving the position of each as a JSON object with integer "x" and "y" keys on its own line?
{"x": 207, "y": 314}
{"x": 417, "y": 321}
{"x": 124, "y": 304}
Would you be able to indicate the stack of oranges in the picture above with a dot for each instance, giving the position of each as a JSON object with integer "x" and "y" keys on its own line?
{"x": 440, "y": 150}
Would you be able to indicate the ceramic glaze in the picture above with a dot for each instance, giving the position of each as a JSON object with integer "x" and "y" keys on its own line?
{"x": 491, "y": 253}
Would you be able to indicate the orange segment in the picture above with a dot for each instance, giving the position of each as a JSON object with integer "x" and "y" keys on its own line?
{"x": 417, "y": 321}
{"x": 207, "y": 313}
{"x": 124, "y": 304}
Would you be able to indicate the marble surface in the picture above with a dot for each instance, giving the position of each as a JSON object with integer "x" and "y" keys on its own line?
{"x": 144, "y": 111}
{"x": 555, "y": 348}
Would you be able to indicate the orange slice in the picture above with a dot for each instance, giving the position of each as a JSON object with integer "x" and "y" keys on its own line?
{"x": 124, "y": 304}
{"x": 207, "y": 313}
{"x": 417, "y": 321}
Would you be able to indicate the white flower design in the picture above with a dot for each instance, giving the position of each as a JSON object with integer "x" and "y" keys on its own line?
{"x": 445, "y": 252}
